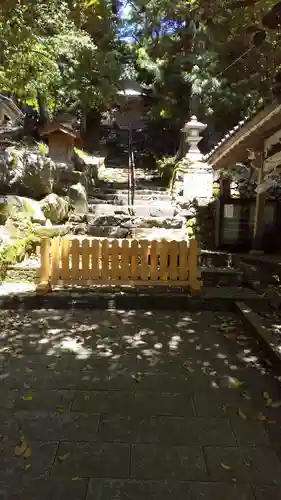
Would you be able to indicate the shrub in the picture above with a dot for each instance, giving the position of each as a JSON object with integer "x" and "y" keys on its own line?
{"x": 12, "y": 254}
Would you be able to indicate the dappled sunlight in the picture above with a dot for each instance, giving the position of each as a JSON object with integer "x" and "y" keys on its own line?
{"x": 209, "y": 344}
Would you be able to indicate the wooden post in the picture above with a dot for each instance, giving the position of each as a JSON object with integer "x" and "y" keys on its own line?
{"x": 193, "y": 268}
{"x": 44, "y": 285}
{"x": 259, "y": 209}
{"x": 225, "y": 188}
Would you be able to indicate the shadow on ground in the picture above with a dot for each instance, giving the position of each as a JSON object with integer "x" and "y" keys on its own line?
{"x": 122, "y": 405}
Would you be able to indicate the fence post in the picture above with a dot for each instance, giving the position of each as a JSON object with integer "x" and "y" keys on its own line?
{"x": 44, "y": 285}
{"x": 193, "y": 268}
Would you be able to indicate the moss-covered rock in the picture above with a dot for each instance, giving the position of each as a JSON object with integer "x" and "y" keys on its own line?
{"x": 55, "y": 208}
{"x": 12, "y": 205}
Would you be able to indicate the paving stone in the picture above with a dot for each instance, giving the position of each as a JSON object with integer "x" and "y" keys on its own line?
{"x": 26, "y": 399}
{"x": 46, "y": 489}
{"x": 138, "y": 490}
{"x": 168, "y": 462}
{"x": 222, "y": 403}
{"x": 56, "y": 380}
{"x": 152, "y": 403}
{"x": 14, "y": 468}
{"x": 159, "y": 382}
{"x": 254, "y": 465}
{"x": 166, "y": 430}
{"x": 221, "y": 491}
{"x": 98, "y": 460}
{"x": 249, "y": 433}
{"x": 103, "y": 402}
{"x": 59, "y": 426}
{"x": 268, "y": 492}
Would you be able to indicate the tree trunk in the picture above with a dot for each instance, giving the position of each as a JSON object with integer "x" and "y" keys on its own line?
{"x": 44, "y": 113}
{"x": 93, "y": 128}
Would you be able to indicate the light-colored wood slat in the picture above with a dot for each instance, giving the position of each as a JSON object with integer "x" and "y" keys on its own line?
{"x": 115, "y": 257}
{"x": 85, "y": 251}
{"x": 105, "y": 270}
{"x": 144, "y": 271}
{"x": 154, "y": 260}
{"x": 193, "y": 269}
{"x": 125, "y": 260}
{"x": 163, "y": 273}
{"x": 45, "y": 248}
{"x": 75, "y": 272}
{"x": 173, "y": 251}
{"x": 65, "y": 270}
{"x": 134, "y": 250}
{"x": 183, "y": 261}
{"x": 55, "y": 260}
{"x": 95, "y": 257}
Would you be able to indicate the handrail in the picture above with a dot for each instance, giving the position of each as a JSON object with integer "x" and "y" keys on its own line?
{"x": 131, "y": 172}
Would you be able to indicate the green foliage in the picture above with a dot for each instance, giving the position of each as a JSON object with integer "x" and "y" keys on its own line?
{"x": 43, "y": 149}
{"x": 166, "y": 167}
{"x": 60, "y": 50}
{"x": 215, "y": 59}
{"x": 12, "y": 254}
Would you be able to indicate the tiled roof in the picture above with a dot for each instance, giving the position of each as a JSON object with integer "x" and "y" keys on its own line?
{"x": 232, "y": 132}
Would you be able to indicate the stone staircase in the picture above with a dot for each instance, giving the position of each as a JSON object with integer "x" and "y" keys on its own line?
{"x": 151, "y": 217}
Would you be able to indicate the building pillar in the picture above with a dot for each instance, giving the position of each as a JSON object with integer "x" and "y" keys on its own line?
{"x": 225, "y": 184}
{"x": 259, "y": 209}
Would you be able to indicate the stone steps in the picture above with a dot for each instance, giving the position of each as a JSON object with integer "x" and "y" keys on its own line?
{"x": 215, "y": 276}
{"x": 161, "y": 209}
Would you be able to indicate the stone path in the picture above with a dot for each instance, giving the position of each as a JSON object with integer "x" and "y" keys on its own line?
{"x": 115, "y": 405}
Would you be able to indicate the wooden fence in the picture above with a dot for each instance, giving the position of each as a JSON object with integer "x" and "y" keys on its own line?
{"x": 110, "y": 262}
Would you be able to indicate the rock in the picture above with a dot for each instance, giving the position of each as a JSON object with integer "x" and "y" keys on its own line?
{"x": 18, "y": 226}
{"x": 39, "y": 174}
{"x": 26, "y": 173}
{"x": 66, "y": 175}
{"x": 77, "y": 218}
{"x": 78, "y": 198}
{"x": 108, "y": 220}
{"x": 51, "y": 231}
{"x": 55, "y": 208}
{"x": 12, "y": 205}
{"x": 84, "y": 162}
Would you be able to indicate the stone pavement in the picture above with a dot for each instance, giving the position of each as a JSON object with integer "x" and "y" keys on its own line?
{"x": 133, "y": 405}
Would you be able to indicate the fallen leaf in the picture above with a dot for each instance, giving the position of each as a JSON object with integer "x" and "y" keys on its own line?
{"x": 224, "y": 466}
{"x": 235, "y": 384}
{"x": 27, "y": 467}
{"x": 28, "y": 397}
{"x": 51, "y": 366}
{"x": 27, "y": 453}
{"x": 64, "y": 457}
{"x": 245, "y": 395}
{"x": 189, "y": 369}
{"x": 59, "y": 409}
{"x": 138, "y": 377}
{"x": 21, "y": 448}
{"x": 28, "y": 370}
{"x": 77, "y": 478}
{"x": 241, "y": 414}
{"x": 276, "y": 404}
{"x": 260, "y": 417}
{"x": 266, "y": 395}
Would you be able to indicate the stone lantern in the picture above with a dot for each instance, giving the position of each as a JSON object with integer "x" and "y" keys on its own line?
{"x": 197, "y": 175}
